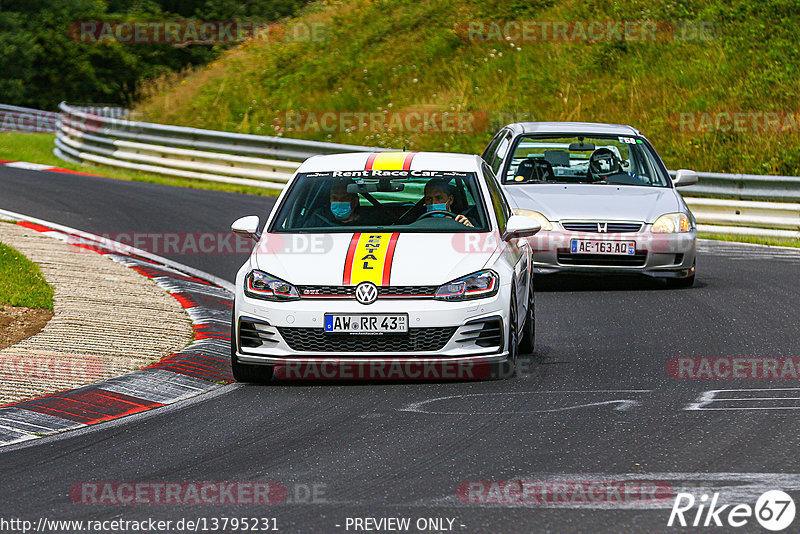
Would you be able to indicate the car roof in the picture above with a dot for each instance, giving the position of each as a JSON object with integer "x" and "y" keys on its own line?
{"x": 572, "y": 128}
{"x": 421, "y": 161}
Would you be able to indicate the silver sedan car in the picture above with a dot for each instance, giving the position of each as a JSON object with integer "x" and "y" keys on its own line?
{"x": 602, "y": 196}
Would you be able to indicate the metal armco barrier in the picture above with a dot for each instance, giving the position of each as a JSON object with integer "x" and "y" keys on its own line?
{"x": 745, "y": 186}
{"x": 17, "y": 119}
{"x": 724, "y": 216}
{"x": 242, "y": 159}
{"x": 101, "y": 135}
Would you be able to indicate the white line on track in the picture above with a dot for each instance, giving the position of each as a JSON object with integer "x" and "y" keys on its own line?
{"x": 622, "y": 404}
{"x": 708, "y": 398}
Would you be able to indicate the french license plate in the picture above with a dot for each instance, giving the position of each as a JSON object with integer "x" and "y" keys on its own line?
{"x": 591, "y": 246}
{"x": 366, "y": 324}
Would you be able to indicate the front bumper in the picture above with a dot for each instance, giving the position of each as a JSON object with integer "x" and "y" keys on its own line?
{"x": 657, "y": 255}
{"x": 294, "y": 328}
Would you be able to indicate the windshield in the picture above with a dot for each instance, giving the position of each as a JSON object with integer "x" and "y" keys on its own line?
{"x": 396, "y": 201}
{"x": 594, "y": 160}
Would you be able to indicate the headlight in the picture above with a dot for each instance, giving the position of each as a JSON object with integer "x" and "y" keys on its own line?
{"x": 541, "y": 219}
{"x": 260, "y": 285}
{"x": 475, "y": 286}
{"x": 671, "y": 223}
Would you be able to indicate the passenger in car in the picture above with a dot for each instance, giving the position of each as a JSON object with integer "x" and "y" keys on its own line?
{"x": 439, "y": 195}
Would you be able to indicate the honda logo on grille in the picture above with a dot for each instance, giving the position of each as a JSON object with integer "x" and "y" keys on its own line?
{"x": 602, "y": 227}
{"x": 366, "y": 293}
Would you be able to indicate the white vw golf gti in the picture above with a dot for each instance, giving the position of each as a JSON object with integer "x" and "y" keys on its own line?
{"x": 413, "y": 259}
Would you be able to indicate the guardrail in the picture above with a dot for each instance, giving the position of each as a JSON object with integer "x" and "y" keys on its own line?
{"x": 243, "y": 159}
{"x": 18, "y": 119}
{"x": 725, "y": 216}
{"x": 745, "y": 186}
{"x": 101, "y": 135}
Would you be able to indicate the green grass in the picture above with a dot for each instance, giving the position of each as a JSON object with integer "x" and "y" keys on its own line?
{"x": 38, "y": 148}
{"x": 405, "y": 55}
{"x": 758, "y": 240}
{"x": 21, "y": 281}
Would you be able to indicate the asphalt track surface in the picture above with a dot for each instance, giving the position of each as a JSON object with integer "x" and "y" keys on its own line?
{"x": 594, "y": 402}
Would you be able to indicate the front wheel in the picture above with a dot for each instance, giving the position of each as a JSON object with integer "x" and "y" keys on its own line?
{"x": 682, "y": 282}
{"x": 242, "y": 372}
{"x": 678, "y": 283}
{"x": 529, "y": 330}
{"x": 508, "y": 369}
{"x": 253, "y": 374}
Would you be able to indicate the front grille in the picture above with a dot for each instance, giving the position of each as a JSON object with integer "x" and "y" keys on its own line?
{"x": 345, "y": 292}
{"x": 316, "y": 340}
{"x": 483, "y": 332}
{"x": 609, "y": 227}
{"x": 636, "y": 260}
{"x": 255, "y": 334}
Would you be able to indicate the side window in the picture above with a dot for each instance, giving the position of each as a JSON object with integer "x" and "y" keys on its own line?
{"x": 499, "y": 204}
{"x": 500, "y": 155}
{"x": 491, "y": 150}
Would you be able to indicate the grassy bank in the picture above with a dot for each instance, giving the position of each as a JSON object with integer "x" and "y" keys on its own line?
{"x": 758, "y": 240}
{"x": 404, "y": 55}
{"x": 38, "y": 148}
{"x": 22, "y": 281}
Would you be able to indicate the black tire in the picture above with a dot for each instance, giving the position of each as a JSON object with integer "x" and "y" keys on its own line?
{"x": 528, "y": 340}
{"x": 678, "y": 283}
{"x": 253, "y": 374}
{"x": 508, "y": 369}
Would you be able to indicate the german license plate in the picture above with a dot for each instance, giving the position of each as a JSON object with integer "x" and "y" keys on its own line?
{"x": 591, "y": 246}
{"x": 366, "y": 324}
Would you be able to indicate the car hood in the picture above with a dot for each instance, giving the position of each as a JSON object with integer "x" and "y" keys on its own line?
{"x": 418, "y": 259}
{"x": 595, "y": 201}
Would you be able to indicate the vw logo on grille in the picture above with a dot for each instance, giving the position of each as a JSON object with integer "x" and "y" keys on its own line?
{"x": 366, "y": 293}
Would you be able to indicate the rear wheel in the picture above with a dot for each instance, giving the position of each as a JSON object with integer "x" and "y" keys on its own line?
{"x": 529, "y": 330}
{"x": 242, "y": 372}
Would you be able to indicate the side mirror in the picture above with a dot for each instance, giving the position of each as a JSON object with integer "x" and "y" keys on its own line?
{"x": 520, "y": 226}
{"x": 247, "y": 227}
{"x": 684, "y": 177}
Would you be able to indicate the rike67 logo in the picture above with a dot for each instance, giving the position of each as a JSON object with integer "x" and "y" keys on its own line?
{"x": 774, "y": 510}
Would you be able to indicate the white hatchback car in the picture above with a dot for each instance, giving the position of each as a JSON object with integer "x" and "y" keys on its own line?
{"x": 402, "y": 257}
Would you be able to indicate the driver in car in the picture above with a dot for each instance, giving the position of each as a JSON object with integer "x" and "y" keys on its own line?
{"x": 344, "y": 205}
{"x": 439, "y": 197}
{"x": 604, "y": 164}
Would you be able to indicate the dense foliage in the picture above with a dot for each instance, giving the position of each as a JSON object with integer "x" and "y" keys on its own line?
{"x": 41, "y": 63}
{"x": 739, "y": 56}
